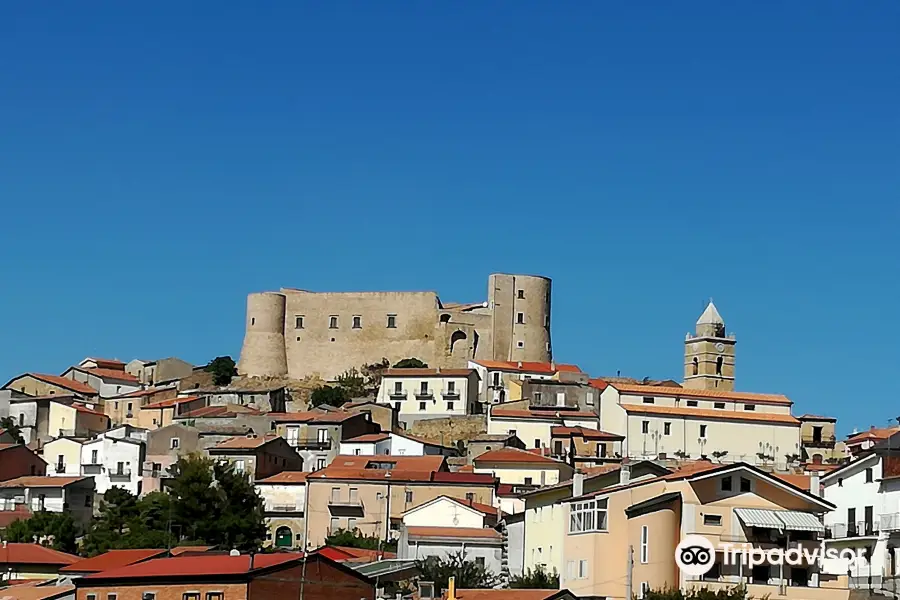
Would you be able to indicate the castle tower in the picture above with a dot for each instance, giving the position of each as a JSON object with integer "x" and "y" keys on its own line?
{"x": 263, "y": 353}
{"x": 520, "y": 315}
{"x": 709, "y": 354}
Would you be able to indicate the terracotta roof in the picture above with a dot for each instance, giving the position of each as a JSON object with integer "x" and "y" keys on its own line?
{"x": 347, "y": 554}
{"x": 454, "y": 532}
{"x": 197, "y": 566}
{"x": 244, "y": 442}
{"x": 710, "y": 413}
{"x": 527, "y": 367}
{"x": 69, "y": 384}
{"x": 531, "y": 413}
{"x": 512, "y": 594}
{"x": 34, "y": 554}
{"x": 796, "y": 480}
{"x": 88, "y": 411}
{"x": 107, "y": 363}
{"x": 32, "y": 481}
{"x": 875, "y": 433}
{"x": 684, "y": 472}
{"x": 110, "y": 374}
{"x": 427, "y": 372}
{"x": 655, "y": 390}
{"x": 600, "y": 384}
{"x": 313, "y": 417}
{"x": 178, "y": 550}
{"x": 506, "y": 490}
{"x": 30, "y": 590}
{"x": 170, "y": 402}
{"x": 286, "y": 477}
{"x": 585, "y": 432}
{"x": 513, "y": 456}
{"x": 111, "y": 560}
{"x": 368, "y": 438}
{"x": 20, "y": 513}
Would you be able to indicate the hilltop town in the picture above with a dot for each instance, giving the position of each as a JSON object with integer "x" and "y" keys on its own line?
{"x": 372, "y": 434}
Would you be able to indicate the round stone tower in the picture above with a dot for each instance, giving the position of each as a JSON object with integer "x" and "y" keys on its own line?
{"x": 263, "y": 353}
{"x": 521, "y": 317}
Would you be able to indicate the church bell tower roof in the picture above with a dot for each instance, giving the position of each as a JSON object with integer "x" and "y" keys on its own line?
{"x": 710, "y": 316}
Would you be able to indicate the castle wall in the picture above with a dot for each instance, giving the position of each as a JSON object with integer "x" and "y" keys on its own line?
{"x": 521, "y": 317}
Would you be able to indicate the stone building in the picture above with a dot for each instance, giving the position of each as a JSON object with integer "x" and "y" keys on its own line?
{"x": 709, "y": 354}
{"x": 297, "y": 333}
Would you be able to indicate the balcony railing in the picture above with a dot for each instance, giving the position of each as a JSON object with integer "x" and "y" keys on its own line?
{"x": 395, "y": 395}
{"x": 890, "y": 522}
{"x": 284, "y": 508}
{"x": 126, "y": 472}
{"x": 424, "y": 394}
{"x": 851, "y": 530}
{"x": 450, "y": 393}
{"x": 60, "y": 468}
{"x": 311, "y": 444}
{"x": 825, "y": 441}
{"x": 338, "y": 501}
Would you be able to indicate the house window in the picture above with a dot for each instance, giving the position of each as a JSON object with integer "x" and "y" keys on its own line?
{"x": 320, "y": 463}
{"x": 726, "y": 484}
{"x": 91, "y": 596}
{"x": 588, "y": 516}
{"x": 712, "y": 520}
{"x": 94, "y": 459}
{"x": 239, "y": 466}
{"x": 495, "y": 378}
{"x": 745, "y": 484}
{"x": 423, "y": 388}
{"x": 649, "y": 400}
{"x": 215, "y": 596}
{"x": 148, "y": 596}
{"x": 357, "y": 322}
{"x": 582, "y": 569}
{"x": 335, "y": 524}
{"x": 645, "y": 426}
{"x": 174, "y": 443}
{"x": 112, "y": 596}
{"x": 479, "y": 560}
{"x": 589, "y": 398}
{"x": 692, "y": 403}
{"x": 450, "y": 405}
{"x": 408, "y": 496}
{"x": 667, "y": 429}
{"x": 333, "y": 322}
{"x": 719, "y": 405}
{"x": 470, "y": 496}
{"x": 869, "y": 475}
{"x": 422, "y": 405}
{"x": 392, "y": 321}
{"x": 560, "y": 398}
{"x": 520, "y": 294}
{"x": 451, "y": 387}
{"x": 298, "y": 322}
{"x": 749, "y": 407}
{"x": 537, "y": 397}
{"x": 398, "y": 387}
{"x": 520, "y": 318}
{"x": 88, "y": 500}
{"x": 840, "y": 482}
{"x": 397, "y": 406}
{"x": 520, "y": 344}
{"x": 703, "y": 431}
{"x": 527, "y": 481}
{"x": 190, "y": 596}
{"x": 645, "y": 545}
{"x": 537, "y": 442}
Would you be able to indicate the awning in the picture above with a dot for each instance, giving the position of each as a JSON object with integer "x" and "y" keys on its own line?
{"x": 759, "y": 517}
{"x": 790, "y": 520}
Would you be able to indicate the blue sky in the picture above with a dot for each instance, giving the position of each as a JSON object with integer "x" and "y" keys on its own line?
{"x": 158, "y": 162}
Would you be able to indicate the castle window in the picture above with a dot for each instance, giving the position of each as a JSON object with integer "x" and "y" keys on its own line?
{"x": 333, "y": 322}
{"x": 392, "y": 321}
{"x": 252, "y": 322}
{"x": 719, "y": 366}
{"x": 520, "y": 318}
{"x": 357, "y": 322}
{"x": 520, "y": 294}
{"x": 696, "y": 367}
{"x": 520, "y": 344}
{"x": 445, "y": 318}
{"x": 298, "y": 322}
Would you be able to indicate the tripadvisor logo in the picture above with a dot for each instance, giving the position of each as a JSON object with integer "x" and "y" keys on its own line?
{"x": 695, "y": 555}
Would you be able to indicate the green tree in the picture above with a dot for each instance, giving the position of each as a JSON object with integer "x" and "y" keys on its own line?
{"x": 356, "y": 539}
{"x": 353, "y": 382}
{"x": 10, "y": 425}
{"x": 223, "y": 369}
{"x": 240, "y": 515}
{"x": 194, "y": 498}
{"x": 410, "y": 363}
{"x": 54, "y": 530}
{"x": 536, "y": 579}
{"x": 333, "y": 396}
{"x": 468, "y": 574}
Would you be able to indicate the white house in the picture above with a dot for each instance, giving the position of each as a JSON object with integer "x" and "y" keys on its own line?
{"x": 494, "y": 376}
{"x": 113, "y": 462}
{"x": 429, "y": 393}
{"x": 534, "y": 426}
{"x": 52, "y": 494}
{"x": 866, "y": 493}
{"x": 108, "y": 382}
{"x": 663, "y": 422}
{"x": 392, "y": 444}
{"x": 284, "y": 495}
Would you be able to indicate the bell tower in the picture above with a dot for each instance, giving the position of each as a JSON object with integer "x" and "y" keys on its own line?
{"x": 709, "y": 354}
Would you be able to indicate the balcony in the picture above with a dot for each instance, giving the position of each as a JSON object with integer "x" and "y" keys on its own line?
{"x": 824, "y": 441}
{"x": 853, "y": 530}
{"x": 120, "y": 474}
{"x": 338, "y": 501}
{"x": 451, "y": 394}
{"x": 284, "y": 508}
{"x": 311, "y": 444}
{"x": 395, "y": 395}
{"x": 890, "y": 522}
{"x": 60, "y": 468}
{"x": 424, "y": 395}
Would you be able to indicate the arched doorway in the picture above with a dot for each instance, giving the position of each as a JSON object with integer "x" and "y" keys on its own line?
{"x": 457, "y": 344}
{"x": 284, "y": 537}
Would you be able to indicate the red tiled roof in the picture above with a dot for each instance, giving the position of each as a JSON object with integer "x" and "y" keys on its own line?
{"x": 875, "y": 433}
{"x": 69, "y": 384}
{"x": 545, "y": 368}
{"x": 107, "y": 363}
{"x": 111, "y": 560}
{"x": 33, "y": 481}
{"x": 597, "y": 383}
{"x": 506, "y": 490}
{"x": 21, "y": 513}
{"x": 286, "y": 477}
{"x": 197, "y": 566}
{"x": 110, "y": 374}
{"x": 244, "y": 442}
{"x": 31, "y": 590}
{"x": 709, "y": 413}
{"x": 427, "y": 372}
{"x": 809, "y": 417}
{"x": 473, "y": 478}
{"x": 34, "y": 554}
{"x": 658, "y": 390}
{"x": 453, "y": 532}
{"x": 368, "y": 438}
{"x": 170, "y": 402}
{"x": 513, "y": 456}
{"x": 353, "y": 554}
{"x": 415, "y": 469}
{"x": 531, "y": 413}
{"x": 796, "y": 480}
{"x": 585, "y": 432}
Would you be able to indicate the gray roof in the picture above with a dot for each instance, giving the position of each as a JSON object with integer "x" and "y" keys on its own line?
{"x": 710, "y": 316}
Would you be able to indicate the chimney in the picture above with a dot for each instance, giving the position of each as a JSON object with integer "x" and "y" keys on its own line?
{"x": 577, "y": 484}
{"x": 814, "y": 487}
{"x": 451, "y": 588}
{"x": 624, "y": 473}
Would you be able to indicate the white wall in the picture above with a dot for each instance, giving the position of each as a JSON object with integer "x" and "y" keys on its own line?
{"x": 25, "y": 415}
{"x": 277, "y": 495}
{"x": 444, "y": 513}
{"x": 110, "y": 452}
{"x": 107, "y": 388}
{"x": 71, "y": 452}
{"x": 361, "y": 448}
{"x": 436, "y": 406}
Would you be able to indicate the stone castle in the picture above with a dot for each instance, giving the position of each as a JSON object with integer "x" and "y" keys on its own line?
{"x": 296, "y": 333}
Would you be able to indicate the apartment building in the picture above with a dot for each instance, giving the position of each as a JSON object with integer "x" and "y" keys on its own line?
{"x": 126, "y": 408}
{"x": 316, "y": 435}
{"x": 734, "y": 503}
{"x": 371, "y": 493}
{"x": 44, "y": 384}
{"x": 114, "y": 462}
{"x": 429, "y": 393}
{"x": 164, "y": 447}
{"x": 664, "y": 422}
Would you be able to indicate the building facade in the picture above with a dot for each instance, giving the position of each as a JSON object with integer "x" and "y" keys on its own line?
{"x": 429, "y": 393}
{"x": 297, "y": 333}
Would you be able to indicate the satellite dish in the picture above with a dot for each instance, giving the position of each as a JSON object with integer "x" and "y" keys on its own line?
{"x": 234, "y": 553}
